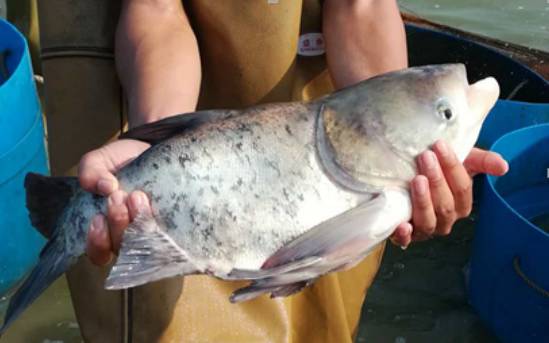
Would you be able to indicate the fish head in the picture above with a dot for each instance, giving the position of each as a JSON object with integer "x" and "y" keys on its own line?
{"x": 430, "y": 103}
{"x": 377, "y": 128}
{"x": 410, "y": 109}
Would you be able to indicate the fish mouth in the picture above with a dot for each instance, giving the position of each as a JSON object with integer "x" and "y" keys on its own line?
{"x": 481, "y": 97}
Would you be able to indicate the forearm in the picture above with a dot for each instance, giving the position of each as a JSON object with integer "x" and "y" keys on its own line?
{"x": 363, "y": 38}
{"x": 157, "y": 60}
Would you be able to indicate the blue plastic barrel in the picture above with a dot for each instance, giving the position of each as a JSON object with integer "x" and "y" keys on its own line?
{"x": 509, "y": 277}
{"x": 22, "y": 150}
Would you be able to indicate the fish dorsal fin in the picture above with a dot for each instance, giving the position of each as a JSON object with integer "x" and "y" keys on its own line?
{"x": 158, "y": 131}
{"x": 147, "y": 254}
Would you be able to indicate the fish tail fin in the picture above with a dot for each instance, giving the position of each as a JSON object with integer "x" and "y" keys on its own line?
{"x": 47, "y": 197}
{"x": 54, "y": 261}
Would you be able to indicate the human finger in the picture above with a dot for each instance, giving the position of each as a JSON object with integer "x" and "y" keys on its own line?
{"x": 441, "y": 195}
{"x": 94, "y": 175}
{"x": 423, "y": 213}
{"x": 138, "y": 204}
{"x": 487, "y": 162}
{"x": 118, "y": 217}
{"x": 457, "y": 177}
{"x": 402, "y": 235}
{"x": 98, "y": 243}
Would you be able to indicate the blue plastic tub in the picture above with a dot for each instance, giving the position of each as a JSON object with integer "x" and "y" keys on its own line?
{"x": 21, "y": 150}
{"x": 509, "y": 279}
{"x": 507, "y": 116}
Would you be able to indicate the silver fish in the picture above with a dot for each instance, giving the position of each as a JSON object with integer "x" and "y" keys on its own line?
{"x": 277, "y": 194}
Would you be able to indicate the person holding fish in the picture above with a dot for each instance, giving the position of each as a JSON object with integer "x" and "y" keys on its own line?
{"x": 159, "y": 66}
{"x": 173, "y": 58}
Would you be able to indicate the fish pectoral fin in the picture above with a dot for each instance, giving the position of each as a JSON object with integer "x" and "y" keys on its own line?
{"x": 147, "y": 254}
{"x": 333, "y": 245}
{"x": 342, "y": 238}
{"x": 158, "y": 131}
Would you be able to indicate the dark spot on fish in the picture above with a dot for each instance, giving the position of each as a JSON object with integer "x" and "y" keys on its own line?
{"x": 193, "y": 215}
{"x": 146, "y": 184}
{"x": 239, "y": 182}
{"x": 176, "y": 207}
{"x": 201, "y": 192}
{"x": 214, "y": 190}
{"x": 207, "y": 231}
{"x": 207, "y": 154}
{"x": 301, "y": 197}
{"x": 274, "y": 166}
{"x": 181, "y": 197}
{"x": 243, "y": 127}
{"x": 256, "y": 196}
{"x": 287, "y": 127}
{"x": 239, "y": 145}
{"x": 193, "y": 139}
{"x": 169, "y": 221}
{"x": 286, "y": 194}
{"x": 183, "y": 159}
{"x": 230, "y": 214}
{"x": 167, "y": 159}
{"x": 155, "y": 166}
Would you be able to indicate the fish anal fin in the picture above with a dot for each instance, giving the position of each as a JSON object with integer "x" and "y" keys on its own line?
{"x": 290, "y": 289}
{"x": 257, "y": 289}
{"x": 147, "y": 254}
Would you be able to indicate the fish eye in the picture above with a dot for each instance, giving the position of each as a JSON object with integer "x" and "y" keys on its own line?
{"x": 444, "y": 110}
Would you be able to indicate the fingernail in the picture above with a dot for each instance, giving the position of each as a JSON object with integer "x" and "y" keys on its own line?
{"x": 505, "y": 167}
{"x": 442, "y": 148}
{"x": 98, "y": 224}
{"x": 428, "y": 160}
{"x": 116, "y": 198}
{"x": 420, "y": 186}
{"x": 409, "y": 229}
{"x": 141, "y": 202}
{"x": 106, "y": 186}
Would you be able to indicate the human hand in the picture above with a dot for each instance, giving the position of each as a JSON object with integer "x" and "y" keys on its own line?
{"x": 442, "y": 192}
{"x": 96, "y": 174}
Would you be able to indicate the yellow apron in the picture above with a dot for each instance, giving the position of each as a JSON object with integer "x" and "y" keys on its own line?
{"x": 248, "y": 51}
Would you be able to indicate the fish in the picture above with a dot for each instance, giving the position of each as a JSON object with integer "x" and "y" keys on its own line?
{"x": 276, "y": 194}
